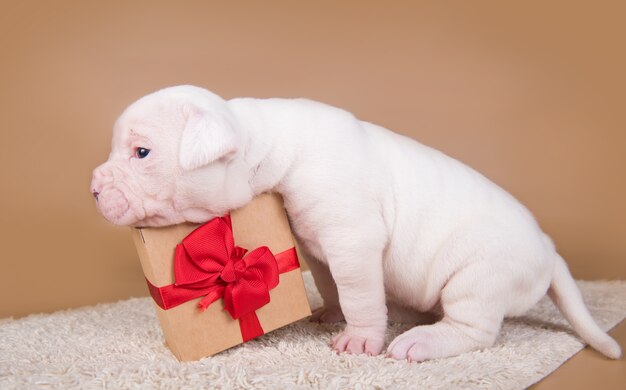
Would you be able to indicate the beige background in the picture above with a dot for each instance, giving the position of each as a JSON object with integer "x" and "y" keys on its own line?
{"x": 531, "y": 94}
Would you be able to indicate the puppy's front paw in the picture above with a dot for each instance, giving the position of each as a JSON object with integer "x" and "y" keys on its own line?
{"x": 359, "y": 340}
{"x": 327, "y": 314}
{"x": 415, "y": 345}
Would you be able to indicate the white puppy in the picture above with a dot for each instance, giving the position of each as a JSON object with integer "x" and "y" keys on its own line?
{"x": 380, "y": 216}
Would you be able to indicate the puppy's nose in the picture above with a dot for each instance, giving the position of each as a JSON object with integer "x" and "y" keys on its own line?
{"x": 95, "y": 194}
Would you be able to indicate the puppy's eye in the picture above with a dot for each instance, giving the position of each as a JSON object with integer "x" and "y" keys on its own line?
{"x": 142, "y": 152}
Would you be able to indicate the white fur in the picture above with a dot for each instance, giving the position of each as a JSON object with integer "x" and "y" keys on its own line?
{"x": 382, "y": 218}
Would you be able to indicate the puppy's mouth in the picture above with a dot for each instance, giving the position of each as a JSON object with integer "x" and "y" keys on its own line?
{"x": 159, "y": 214}
{"x": 116, "y": 208}
{"x": 152, "y": 221}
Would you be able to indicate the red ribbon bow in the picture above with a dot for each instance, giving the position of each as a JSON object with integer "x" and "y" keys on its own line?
{"x": 208, "y": 264}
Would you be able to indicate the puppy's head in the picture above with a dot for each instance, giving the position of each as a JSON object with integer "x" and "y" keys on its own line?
{"x": 170, "y": 154}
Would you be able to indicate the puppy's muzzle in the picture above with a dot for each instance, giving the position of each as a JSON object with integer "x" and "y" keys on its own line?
{"x": 112, "y": 204}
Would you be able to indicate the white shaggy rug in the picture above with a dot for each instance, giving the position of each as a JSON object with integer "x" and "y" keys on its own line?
{"x": 120, "y": 345}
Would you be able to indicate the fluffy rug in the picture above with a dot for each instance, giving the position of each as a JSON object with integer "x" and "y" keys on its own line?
{"x": 120, "y": 345}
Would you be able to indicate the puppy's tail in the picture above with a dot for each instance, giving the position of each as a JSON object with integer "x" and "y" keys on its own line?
{"x": 566, "y": 296}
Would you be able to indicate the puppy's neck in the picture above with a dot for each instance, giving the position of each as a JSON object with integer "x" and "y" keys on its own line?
{"x": 271, "y": 142}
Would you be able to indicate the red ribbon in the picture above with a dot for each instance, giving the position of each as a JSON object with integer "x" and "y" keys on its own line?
{"x": 208, "y": 264}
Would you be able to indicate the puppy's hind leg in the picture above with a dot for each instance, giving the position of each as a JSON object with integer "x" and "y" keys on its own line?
{"x": 473, "y": 313}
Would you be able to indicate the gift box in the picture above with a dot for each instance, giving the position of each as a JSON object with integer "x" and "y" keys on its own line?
{"x": 225, "y": 282}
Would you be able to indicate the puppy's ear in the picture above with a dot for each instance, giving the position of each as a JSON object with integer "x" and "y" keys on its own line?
{"x": 207, "y": 137}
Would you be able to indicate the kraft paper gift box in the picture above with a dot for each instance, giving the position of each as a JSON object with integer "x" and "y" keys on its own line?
{"x": 208, "y": 270}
